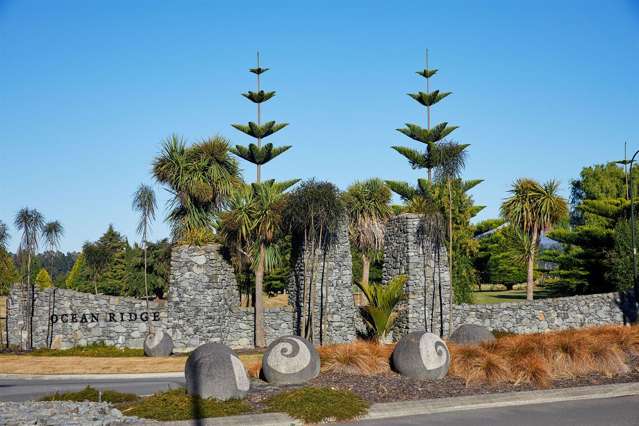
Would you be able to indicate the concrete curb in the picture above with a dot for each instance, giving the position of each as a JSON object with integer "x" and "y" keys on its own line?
{"x": 474, "y": 402}
{"x": 267, "y": 419}
{"x": 91, "y": 376}
{"x": 389, "y": 410}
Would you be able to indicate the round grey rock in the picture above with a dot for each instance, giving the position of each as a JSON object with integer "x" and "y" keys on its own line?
{"x": 421, "y": 355}
{"x": 214, "y": 371}
{"x": 290, "y": 360}
{"x": 158, "y": 343}
{"x": 471, "y": 333}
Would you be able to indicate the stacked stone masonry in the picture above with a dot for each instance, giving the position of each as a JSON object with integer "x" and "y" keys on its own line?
{"x": 67, "y": 318}
{"x": 332, "y": 273}
{"x": 543, "y": 315}
{"x": 409, "y": 249}
{"x": 203, "y": 303}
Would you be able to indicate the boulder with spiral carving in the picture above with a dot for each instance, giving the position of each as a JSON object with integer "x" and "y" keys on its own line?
{"x": 158, "y": 343}
{"x": 421, "y": 355}
{"x": 290, "y": 360}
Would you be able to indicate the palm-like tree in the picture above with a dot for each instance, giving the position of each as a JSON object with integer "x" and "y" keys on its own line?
{"x": 200, "y": 178}
{"x": 52, "y": 232}
{"x": 29, "y": 222}
{"x": 368, "y": 207}
{"x": 145, "y": 205}
{"x": 314, "y": 212}
{"x": 534, "y": 208}
{"x": 4, "y": 235}
{"x": 380, "y": 314}
{"x": 251, "y": 226}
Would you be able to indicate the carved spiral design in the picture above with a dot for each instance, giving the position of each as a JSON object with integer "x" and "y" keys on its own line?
{"x": 433, "y": 352}
{"x": 289, "y": 356}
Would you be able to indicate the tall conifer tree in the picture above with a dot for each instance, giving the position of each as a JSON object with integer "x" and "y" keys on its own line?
{"x": 444, "y": 157}
{"x": 259, "y": 154}
{"x": 428, "y": 136}
{"x": 265, "y": 193}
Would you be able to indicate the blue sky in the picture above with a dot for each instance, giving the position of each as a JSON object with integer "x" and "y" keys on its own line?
{"x": 88, "y": 90}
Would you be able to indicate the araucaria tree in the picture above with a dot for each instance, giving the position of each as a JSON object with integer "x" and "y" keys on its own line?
{"x": 266, "y": 196}
{"x": 145, "y": 205}
{"x": 429, "y": 137}
{"x": 532, "y": 209}
{"x": 368, "y": 207}
{"x": 442, "y": 192}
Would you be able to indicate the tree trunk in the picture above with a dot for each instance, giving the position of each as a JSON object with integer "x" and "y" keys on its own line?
{"x": 366, "y": 267}
{"x": 146, "y": 285}
{"x": 31, "y": 288}
{"x": 450, "y": 257}
{"x": 146, "y": 289}
{"x": 260, "y": 339}
{"x": 530, "y": 284}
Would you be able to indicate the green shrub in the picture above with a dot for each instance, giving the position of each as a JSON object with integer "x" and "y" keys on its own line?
{"x": 92, "y": 394}
{"x": 100, "y": 349}
{"x": 314, "y": 405}
{"x": 176, "y": 404}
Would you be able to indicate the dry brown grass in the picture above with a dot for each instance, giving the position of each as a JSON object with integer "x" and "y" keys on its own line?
{"x": 535, "y": 359}
{"x": 538, "y": 359}
{"x": 27, "y": 364}
{"x": 360, "y": 357}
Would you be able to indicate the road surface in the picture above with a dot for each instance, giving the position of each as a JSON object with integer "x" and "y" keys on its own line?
{"x": 621, "y": 411}
{"x": 24, "y": 390}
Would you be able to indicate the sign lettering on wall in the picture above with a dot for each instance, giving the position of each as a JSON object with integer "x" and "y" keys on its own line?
{"x": 105, "y": 317}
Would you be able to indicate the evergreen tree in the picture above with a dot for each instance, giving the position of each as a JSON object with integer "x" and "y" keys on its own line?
{"x": 425, "y": 159}
{"x": 436, "y": 199}
{"x": 8, "y": 273}
{"x": 259, "y": 154}
{"x": 43, "y": 279}
{"x": 73, "y": 278}
{"x": 266, "y": 196}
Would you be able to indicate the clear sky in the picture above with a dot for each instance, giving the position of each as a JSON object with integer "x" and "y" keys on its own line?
{"x": 89, "y": 89}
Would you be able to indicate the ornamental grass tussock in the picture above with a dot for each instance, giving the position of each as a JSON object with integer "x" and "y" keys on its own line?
{"x": 530, "y": 359}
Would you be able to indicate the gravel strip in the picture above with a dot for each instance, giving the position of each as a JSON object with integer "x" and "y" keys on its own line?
{"x": 59, "y": 413}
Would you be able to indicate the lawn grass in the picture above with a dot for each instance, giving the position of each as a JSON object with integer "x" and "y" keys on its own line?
{"x": 314, "y": 405}
{"x": 518, "y": 295}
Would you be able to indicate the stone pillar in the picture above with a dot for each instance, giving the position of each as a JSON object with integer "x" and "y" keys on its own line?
{"x": 332, "y": 283}
{"x": 203, "y": 294}
{"x": 410, "y": 249}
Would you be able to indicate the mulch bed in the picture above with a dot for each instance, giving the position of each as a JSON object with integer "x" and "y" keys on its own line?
{"x": 391, "y": 387}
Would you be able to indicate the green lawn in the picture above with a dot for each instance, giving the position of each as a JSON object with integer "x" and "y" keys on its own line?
{"x": 501, "y": 296}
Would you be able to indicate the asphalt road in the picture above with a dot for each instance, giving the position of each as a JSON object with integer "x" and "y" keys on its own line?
{"x": 24, "y": 390}
{"x": 622, "y": 411}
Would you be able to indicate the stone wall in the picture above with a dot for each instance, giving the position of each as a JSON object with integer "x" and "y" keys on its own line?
{"x": 204, "y": 303}
{"x": 542, "y": 315}
{"x": 332, "y": 269}
{"x": 202, "y": 295}
{"x": 410, "y": 249}
{"x": 66, "y": 318}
